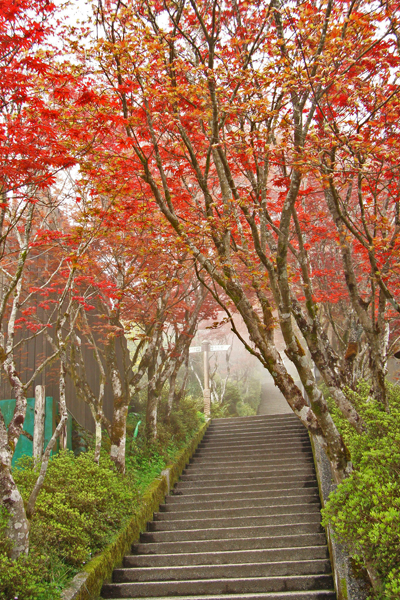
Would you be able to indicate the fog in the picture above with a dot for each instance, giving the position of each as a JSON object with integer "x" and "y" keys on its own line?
{"x": 238, "y": 363}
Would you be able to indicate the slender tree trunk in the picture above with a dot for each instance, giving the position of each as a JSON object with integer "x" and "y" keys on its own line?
{"x": 38, "y": 432}
{"x": 118, "y": 428}
{"x": 120, "y": 400}
{"x": 171, "y": 392}
{"x": 57, "y": 433}
{"x": 118, "y": 438}
{"x": 98, "y": 437}
{"x": 151, "y": 416}
{"x": 11, "y": 499}
{"x": 152, "y": 400}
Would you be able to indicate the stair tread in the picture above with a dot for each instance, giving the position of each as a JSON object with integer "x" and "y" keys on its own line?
{"x": 234, "y": 570}
{"x": 309, "y": 595}
{"x": 251, "y": 554}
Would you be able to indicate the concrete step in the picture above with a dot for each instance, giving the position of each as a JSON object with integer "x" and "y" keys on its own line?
{"x": 230, "y": 571}
{"x": 252, "y": 511}
{"x": 252, "y": 442}
{"x": 228, "y": 545}
{"x": 309, "y": 595}
{"x": 251, "y": 465}
{"x": 288, "y": 432}
{"x": 264, "y": 450}
{"x": 222, "y": 558}
{"x": 248, "y": 495}
{"x": 218, "y": 586}
{"x": 278, "y": 442}
{"x": 272, "y": 483}
{"x": 218, "y": 523}
{"x": 249, "y": 475}
{"x": 300, "y": 526}
{"x": 252, "y": 421}
{"x": 200, "y": 462}
{"x": 233, "y": 432}
{"x": 273, "y": 499}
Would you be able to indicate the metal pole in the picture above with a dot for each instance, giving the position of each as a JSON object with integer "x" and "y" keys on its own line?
{"x": 206, "y": 391}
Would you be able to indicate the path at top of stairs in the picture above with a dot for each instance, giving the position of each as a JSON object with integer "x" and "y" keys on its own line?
{"x": 243, "y": 523}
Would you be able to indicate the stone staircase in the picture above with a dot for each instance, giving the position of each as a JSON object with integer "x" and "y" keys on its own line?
{"x": 243, "y": 523}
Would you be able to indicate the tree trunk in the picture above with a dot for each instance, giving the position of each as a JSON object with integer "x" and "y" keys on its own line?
{"x": 120, "y": 402}
{"x": 11, "y": 499}
{"x": 57, "y": 433}
{"x": 151, "y": 416}
{"x": 38, "y": 432}
{"x": 118, "y": 433}
{"x": 152, "y": 400}
{"x": 171, "y": 392}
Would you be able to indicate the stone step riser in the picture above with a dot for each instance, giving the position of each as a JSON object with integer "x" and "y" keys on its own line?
{"x": 309, "y": 595}
{"x": 249, "y": 465}
{"x": 263, "y": 442}
{"x": 248, "y": 475}
{"x": 179, "y": 504}
{"x": 232, "y": 422}
{"x": 249, "y": 445}
{"x": 222, "y": 558}
{"x": 230, "y": 571}
{"x": 300, "y": 526}
{"x": 201, "y": 546}
{"x": 274, "y": 483}
{"x": 253, "y": 521}
{"x": 238, "y": 512}
{"x": 204, "y": 463}
{"x": 256, "y": 436}
{"x": 218, "y": 586}
{"x": 249, "y": 436}
{"x": 267, "y": 451}
{"x": 199, "y": 499}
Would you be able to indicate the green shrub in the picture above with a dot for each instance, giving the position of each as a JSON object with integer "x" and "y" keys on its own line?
{"x": 244, "y": 409}
{"x": 80, "y": 506}
{"x": 219, "y": 411}
{"x": 364, "y": 511}
{"x": 24, "y": 578}
{"x": 146, "y": 459}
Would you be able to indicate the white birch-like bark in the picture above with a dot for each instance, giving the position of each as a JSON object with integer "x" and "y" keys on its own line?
{"x": 58, "y": 431}
{"x": 38, "y": 431}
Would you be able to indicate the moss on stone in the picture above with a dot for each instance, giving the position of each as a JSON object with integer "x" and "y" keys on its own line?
{"x": 87, "y": 584}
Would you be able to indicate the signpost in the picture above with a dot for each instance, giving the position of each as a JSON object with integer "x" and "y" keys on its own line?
{"x": 206, "y": 348}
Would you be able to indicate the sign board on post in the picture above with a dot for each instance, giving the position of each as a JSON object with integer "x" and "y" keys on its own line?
{"x": 220, "y": 348}
{"x": 194, "y": 349}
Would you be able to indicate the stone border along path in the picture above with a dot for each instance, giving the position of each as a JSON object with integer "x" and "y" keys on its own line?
{"x": 242, "y": 523}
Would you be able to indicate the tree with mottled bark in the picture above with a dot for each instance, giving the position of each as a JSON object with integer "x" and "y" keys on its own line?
{"x": 222, "y": 130}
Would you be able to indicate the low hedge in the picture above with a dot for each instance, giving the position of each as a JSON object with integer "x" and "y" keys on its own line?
{"x": 87, "y": 584}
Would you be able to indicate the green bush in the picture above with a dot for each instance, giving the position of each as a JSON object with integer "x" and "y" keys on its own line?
{"x": 146, "y": 459}
{"x": 24, "y": 578}
{"x": 244, "y": 409}
{"x": 80, "y": 506}
{"x": 364, "y": 511}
